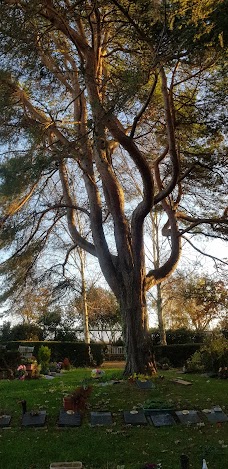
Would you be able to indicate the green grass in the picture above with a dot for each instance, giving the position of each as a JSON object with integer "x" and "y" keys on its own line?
{"x": 106, "y": 448}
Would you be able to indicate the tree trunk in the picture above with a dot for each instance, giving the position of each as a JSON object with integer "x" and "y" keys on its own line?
{"x": 85, "y": 305}
{"x": 139, "y": 353}
{"x": 160, "y": 316}
{"x": 156, "y": 255}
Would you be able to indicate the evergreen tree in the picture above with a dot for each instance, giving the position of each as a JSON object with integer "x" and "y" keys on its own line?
{"x": 84, "y": 86}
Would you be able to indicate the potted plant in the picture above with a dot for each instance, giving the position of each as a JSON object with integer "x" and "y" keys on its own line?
{"x": 76, "y": 401}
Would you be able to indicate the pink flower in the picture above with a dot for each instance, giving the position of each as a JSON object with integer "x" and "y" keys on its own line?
{"x": 21, "y": 368}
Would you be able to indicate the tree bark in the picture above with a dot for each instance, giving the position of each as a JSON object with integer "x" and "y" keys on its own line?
{"x": 139, "y": 355}
{"x": 160, "y": 316}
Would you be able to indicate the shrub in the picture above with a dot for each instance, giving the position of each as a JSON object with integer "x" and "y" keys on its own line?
{"x": 44, "y": 355}
{"x": 212, "y": 356}
{"x": 194, "y": 364}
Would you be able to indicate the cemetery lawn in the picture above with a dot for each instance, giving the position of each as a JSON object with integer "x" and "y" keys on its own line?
{"x": 118, "y": 445}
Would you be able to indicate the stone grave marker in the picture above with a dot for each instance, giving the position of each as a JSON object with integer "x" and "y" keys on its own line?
{"x": 215, "y": 415}
{"x": 69, "y": 418}
{"x": 5, "y": 420}
{"x": 34, "y": 419}
{"x": 188, "y": 417}
{"x": 145, "y": 384}
{"x": 100, "y": 418}
{"x": 135, "y": 417}
{"x": 160, "y": 418}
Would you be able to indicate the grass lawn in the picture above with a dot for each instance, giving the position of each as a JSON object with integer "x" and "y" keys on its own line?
{"x": 119, "y": 445}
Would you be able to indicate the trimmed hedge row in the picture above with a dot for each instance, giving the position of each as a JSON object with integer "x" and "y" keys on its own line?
{"x": 76, "y": 352}
{"x": 177, "y": 354}
{"x": 180, "y": 336}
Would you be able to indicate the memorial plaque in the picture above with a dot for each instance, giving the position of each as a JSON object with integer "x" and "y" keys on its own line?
{"x": 100, "y": 418}
{"x": 160, "y": 418}
{"x": 135, "y": 417}
{"x": 34, "y": 419}
{"x": 5, "y": 420}
{"x": 188, "y": 417}
{"x": 69, "y": 418}
{"x": 145, "y": 384}
{"x": 215, "y": 415}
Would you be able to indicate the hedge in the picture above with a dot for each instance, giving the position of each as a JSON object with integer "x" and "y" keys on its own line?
{"x": 179, "y": 336}
{"x": 177, "y": 354}
{"x": 76, "y": 352}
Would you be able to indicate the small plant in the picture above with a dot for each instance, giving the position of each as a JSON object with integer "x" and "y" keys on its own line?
{"x": 55, "y": 367}
{"x": 44, "y": 355}
{"x": 66, "y": 364}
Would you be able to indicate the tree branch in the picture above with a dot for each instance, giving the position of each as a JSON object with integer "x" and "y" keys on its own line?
{"x": 204, "y": 253}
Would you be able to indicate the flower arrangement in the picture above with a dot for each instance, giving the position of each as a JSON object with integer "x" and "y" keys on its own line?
{"x": 21, "y": 372}
{"x": 30, "y": 361}
{"x": 137, "y": 376}
{"x": 97, "y": 373}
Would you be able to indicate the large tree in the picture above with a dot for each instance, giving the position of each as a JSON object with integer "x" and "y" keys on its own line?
{"x": 85, "y": 87}
{"x": 194, "y": 301}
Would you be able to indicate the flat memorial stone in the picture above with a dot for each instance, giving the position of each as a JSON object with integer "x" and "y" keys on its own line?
{"x": 215, "y": 415}
{"x": 68, "y": 418}
{"x": 145, "y": 384}
{"x": 160, "y": 418}
{"x": 34, "y": 419}
{"x": 188, "y": 417}
{"x": 5, "y": 420}
{"x": 100, "y": 418}
{"x": 135, "y": 417}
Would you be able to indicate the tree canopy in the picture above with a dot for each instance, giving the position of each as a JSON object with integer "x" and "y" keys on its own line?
{"x": 194, "y": 301}
{"x": 88, "y": 89}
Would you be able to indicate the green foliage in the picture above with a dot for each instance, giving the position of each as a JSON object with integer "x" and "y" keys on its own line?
{"x": 177, "y": 354}
{"x": 25, "y": 332}
{"x": 44, "y": 355}
{"x": 9, "y": 358}
{"x": 76, "y": 352}
{"x": 211, "y": 356}
{"x": 99, "y": 448}
{"x": 75, "y": 86}
{"x": 194, "y": 364}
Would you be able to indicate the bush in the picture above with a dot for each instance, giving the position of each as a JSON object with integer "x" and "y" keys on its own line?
{"x": 212, "y": 356}
{"x": 44, "y": 355}
{"x": 9, "y": 358}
